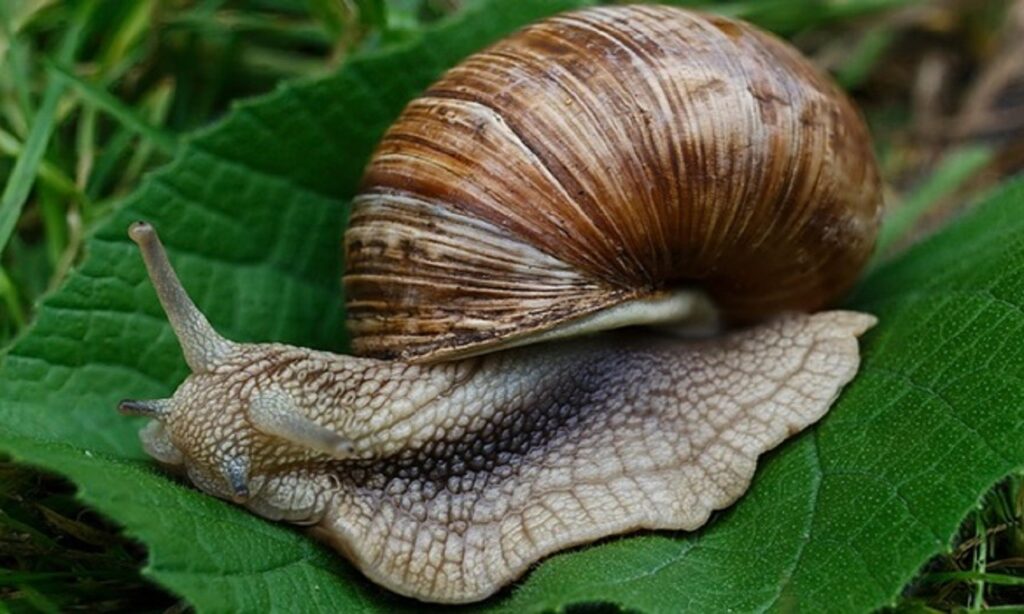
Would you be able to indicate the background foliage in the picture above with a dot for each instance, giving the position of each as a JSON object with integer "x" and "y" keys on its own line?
{"x": 95, "y": 94}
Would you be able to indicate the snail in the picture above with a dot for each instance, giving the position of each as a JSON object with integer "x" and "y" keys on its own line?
{"x": 598, "y": 170}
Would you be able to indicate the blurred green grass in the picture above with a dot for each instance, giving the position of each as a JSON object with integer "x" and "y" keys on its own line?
{"x": 93, "y": 94}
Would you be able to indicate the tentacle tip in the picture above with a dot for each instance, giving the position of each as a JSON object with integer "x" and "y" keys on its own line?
{"x": 155, "y": 408}
{"x": 141, "y": 232}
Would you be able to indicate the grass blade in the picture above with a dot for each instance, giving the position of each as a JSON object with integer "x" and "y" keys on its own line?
{"x": 49, "y": 174}
{"x": 10, "y": 299}
{"x": 23, "y": 176}
{"x": 166, "y": 142}
{"x": 975, "y": 576}
{"x": 957, "y": 167}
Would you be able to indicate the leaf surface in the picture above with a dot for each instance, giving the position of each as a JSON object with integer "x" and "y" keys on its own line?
{"x": 252, "y": 211}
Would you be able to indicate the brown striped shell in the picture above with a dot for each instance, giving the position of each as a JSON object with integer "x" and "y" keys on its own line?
{"x": 602, "y": 156}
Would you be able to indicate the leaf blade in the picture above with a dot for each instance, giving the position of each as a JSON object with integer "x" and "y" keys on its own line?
{"x": 253, "y": 227}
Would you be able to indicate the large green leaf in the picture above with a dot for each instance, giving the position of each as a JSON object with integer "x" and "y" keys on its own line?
{"x": 252, "y": 211}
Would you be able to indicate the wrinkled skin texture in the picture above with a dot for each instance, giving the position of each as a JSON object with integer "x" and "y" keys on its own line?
{"x": 460, "y": 475}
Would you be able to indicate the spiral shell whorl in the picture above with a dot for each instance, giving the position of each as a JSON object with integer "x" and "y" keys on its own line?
{"x": 605, "y": 155}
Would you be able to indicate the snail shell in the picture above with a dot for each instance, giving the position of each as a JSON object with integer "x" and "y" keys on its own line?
{"x": 602, "y": 156}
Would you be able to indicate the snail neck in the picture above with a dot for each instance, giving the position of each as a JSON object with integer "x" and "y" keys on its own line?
{"x": 685, "y": 312}
{"x": 377, "y": 404}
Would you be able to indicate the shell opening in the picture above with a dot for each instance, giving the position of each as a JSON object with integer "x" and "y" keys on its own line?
{"x": 688, "y": 312}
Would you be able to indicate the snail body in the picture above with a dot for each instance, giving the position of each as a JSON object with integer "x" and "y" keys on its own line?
{"x": 560, "y": 183}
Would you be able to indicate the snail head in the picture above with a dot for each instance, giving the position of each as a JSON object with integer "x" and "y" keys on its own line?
{"x": 239, "y": 399}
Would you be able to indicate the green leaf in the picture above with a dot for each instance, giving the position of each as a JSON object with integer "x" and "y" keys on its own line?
{"x": 252, "y": 211}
